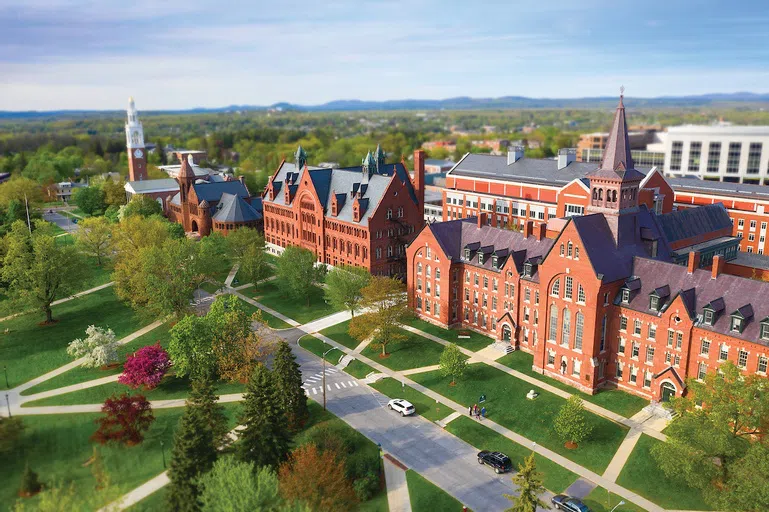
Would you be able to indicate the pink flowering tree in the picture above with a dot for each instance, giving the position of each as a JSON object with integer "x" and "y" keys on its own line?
{"x": 146, "y": 367}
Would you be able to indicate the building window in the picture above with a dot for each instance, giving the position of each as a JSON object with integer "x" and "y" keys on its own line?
{"x": 742, "y": 358}
{"x": 695, "y": 149}
{"x": 652, "y": 331}
{"x": 736, "y": 324}
{"x": 633, "y": 374}
{"x": 765, "y": 330}
{"x": 679, "y": 340}
{"x": 708, "y": 317}
{"x": 553, "y": 332}
{"x": 437, "y": 290}
{"x": 569, "y": 249}
{"x": 705, "y": 348}
{"x": 621, "y": 348}
{"x": 649, "y": 354}
{"x": 603, "y": 334}
{"x": 636, "y": 349}
{"x": 702, "y": 370}
{"x": 754, "y": 158}
{"x": 437, "y": 273}
{"x": 419, "y": 302}
{"x": 467, "y": 295}
{"x": 419, "y": 284}
{"x": 467, "y": 277}
{"x": 762, "y": 363}
{"x": 668, "y": 357}
{"x": 714, "y": 156}
{"x": 619, "y": 371}
{"x": 390, "y": 214}
{"x": 580, "y": 294}
{"x": 676, "y": 155}
{"x": 671, "y": 335}
{"x": 437, "y": 309}
{"x": 623, "y": 323}
{"x": 576, "y": 367}
{"x": 494, "y": 284}
{"x": 733, "y": 157}
{"x": 579, "y": 326}
{"x": 556, "y": 289}
{"x": 566, "y": 328}
{"x": 654, "y": 303}
{"x": 526, "y": 294}
{"x": 494, "y": 303}
{"x": 485, "y": 282}
{"x": 637, "y": 327}
{"x": 536, "y": 297}
{"x": 571, "y": 211}
{"x": 475, "y": 278}
{"x": 723, "y": 352}
{"x": 550, "y": 359}
{"x": 562, "y": 252}
{"x": 647, "y": 379}
{"x": 568, "y": 287}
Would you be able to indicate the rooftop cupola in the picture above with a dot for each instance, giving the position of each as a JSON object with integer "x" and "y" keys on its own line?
{"x": 379, "y": 156}
{"x": 300, "y": 158}
{"x": 368, "y": 166}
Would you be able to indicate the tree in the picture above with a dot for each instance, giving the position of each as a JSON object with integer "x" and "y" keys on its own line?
{"x": 20, "y": 189}
{"x": 288, "y": 381}
{"x": 529, "y": 483}
{"x": 126, "y": 419}
{"x": 141, "y": 205}
{"x": 11, "y": 430}
{"x": 317, "y": 479}
{"x": 571, "y": 423}
{"x": 253, "y": 266}
{"x": 257, "y": 489}
{"x": 237, "y": 358}
{"x": 193, "y": 455}
{"x": 711, "y": 447}
{"x": 114, "y": 192}
{"x": 37, "y": 269}
{"x": 264, "y": 440}
{"x": 297, "y": 273}
{"x": 385, "y": 301}
{"x": 344, "y": 285}
{"x": 94, "y": 237}
{"x": 191, "y": 348}
{"x": 99, "y": 348}
{"x": 30, "y": 484}
{"x": 146, "y": 367}
{"x": 747, "y": 485}
{"x": 90, "y": 200}
{"x": 241, "y": 240}
{"x": 203, "y": 397}
{"x": 453, "y": 363}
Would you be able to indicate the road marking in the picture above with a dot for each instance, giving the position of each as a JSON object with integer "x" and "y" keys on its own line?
{"x": 342, "y": 383}
{"x": 312, "y": 379}
{"x": 329, "y": 387}
{"x": 314, "y": 391}
{"x": 355, "y": 382}
{"x": 337, "y": 385}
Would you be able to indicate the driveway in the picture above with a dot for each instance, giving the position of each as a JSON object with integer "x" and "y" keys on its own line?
{"x": 60, "y": 220}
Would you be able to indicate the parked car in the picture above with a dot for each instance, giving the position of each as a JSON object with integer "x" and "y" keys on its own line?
{"x": 564, "y": 502}
{"x": 497, "y": 460}
{"x": 402, "y": 406}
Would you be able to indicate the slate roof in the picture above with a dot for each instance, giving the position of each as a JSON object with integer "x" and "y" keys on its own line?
{"x": 699, "y": 289}
{"x": 454, "y": 235}
{"x": 751, "y": 259}
{"x": 617, "y": 162}
{"x": 233, "y": 208}
{"x": 693, "y": 222}
{"x": 147, "y": 186}
{"x": 213, "y": 191}
{"x": 720, "y": 188}
{"x": 343, "y": 181}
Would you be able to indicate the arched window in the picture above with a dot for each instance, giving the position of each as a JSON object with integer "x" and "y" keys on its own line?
{"x": 556, "y": 289}
{"x": 614, "y": 196}
{"x": 600, "y": 194}
{"x": 566, "y": 328}
{"x": 579, "y": 327}
{"x": 595, "y": 193}
{"x": 427, "y": 271}
{"x": 576, "y": 253}
{"x": 568, "y": 251}
{"x": 437, "y": 273}
{"x": 561, "y": 249}
{"x": 553, "y": 331}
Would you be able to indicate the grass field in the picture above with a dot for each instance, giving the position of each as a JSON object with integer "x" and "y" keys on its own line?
{"x": 413, "y": 352}
{"x": 317, "y": 346}
{"x": 338, "y": 333}
{"x": 601, "y": 500}
{"x": 273, "y": 297}
{"x": 358, "y": 369}
{"x": 555, "y": 477}
{"x": 428, "y": 497}
{"x": 424, "y": 405}
{"x": 507, "y": 405}
{"x": 642, "y": 475}
{"x": 31, "y": 349}
{"x": 615, "y": 400}
{"x": 475, "y": 342}
{"x": 155, "y": 502}
{"x": 271, "y": 320}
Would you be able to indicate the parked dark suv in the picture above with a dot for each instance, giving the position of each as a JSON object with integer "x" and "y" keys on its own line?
{"x": 569, "y": 504}
{"x": 497, "y": 460}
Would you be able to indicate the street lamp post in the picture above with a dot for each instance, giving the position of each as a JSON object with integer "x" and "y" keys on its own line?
{"x": 5, "y": 369}
{"x": 617, "y": 505}
{"x": 8, "y": 403}
{"x": 324, "y": 375}
{"x": 163, "y": 451}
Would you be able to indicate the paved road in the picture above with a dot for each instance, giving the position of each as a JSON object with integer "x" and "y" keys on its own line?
{"x": 418, "y": 443}
{"x": 60, "y": 220}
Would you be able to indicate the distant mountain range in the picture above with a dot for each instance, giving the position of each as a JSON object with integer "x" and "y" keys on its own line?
{"x": 459, "y": 103}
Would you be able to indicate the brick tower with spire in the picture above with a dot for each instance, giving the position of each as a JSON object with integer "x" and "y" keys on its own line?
{"x": 134, "y": 134}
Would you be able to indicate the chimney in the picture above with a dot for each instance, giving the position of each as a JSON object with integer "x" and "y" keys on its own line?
{"x": 694, "y": 261}
{"x": 718, "y": 266}
{"x": 482, "y": 218}
{"x": 528, "y": 228}
{"x": 565, "y": 157}
{"x": 514, "y": 153}
{"x": 541, "y": 231}
{"x": 419, "y": 179}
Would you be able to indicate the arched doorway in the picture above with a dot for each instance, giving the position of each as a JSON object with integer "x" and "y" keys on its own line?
{"x": 507, "y": 333}
{"x": 194, "y": 226}
{"x": 667, "y": 391}
{"x": 563, "y": 366}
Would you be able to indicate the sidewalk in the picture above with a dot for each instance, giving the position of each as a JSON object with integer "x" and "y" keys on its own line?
{"x": 65, "y": 299}
{"x": 289, "y": 321}
{"x": 397, "y": 487}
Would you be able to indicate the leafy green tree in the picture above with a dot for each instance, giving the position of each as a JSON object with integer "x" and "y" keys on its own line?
{"x": 288, "y": 382}
{"x": 453, "y": 363}
{"x": 94, "y": 237}
{"x": 112, "y": 213}
{"x": 747, "y": 483}
{"x": 265, "y": 440}
{"x": 344, "y": 287}
{"x": 191, "y": 348}
{"x": 711, "y": 447}
{"x": 114, "y": 192}
{"x": 257, "y": 488}
{"x": 386, "y": 305}
{"x": 241, "y": 239}
{"x": 21, "y": 189}
{"x": 37, "y": 269}
{"x": 193, "y": 455}
{"x": 203, "y": 397}
{"x": 90, "y": 200}
{"x": 297, "y": 272}
{"x": 528, "y": 481}
{"x": 571, "y": 422}
{"x": 141, "y": 205}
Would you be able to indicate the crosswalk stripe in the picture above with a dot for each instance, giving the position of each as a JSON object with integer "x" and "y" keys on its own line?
{"x": 314, "y": 391}
{"x": 313, "y": 379}
{"x": 355, "y": 382}
{"x": 337, "y": 385}
{"x": 349, "y": 382}
{"x": 342, "y": 383}
{"x": 329, "y": 387}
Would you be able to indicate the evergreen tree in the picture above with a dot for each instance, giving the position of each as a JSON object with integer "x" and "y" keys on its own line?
{"x": 30, "y": 484}
{"x": 288, "y": 382}
{"x": 529, "y": 483}
{"x": 203, "y": 397}
{"x": 265, "y": 439}
{"x": 193, "y": 454}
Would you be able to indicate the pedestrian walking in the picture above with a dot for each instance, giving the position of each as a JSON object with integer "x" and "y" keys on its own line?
{"x": 475, "y": 410}
{"x": 483, "y": 413}
{"x": 470, "y": 411}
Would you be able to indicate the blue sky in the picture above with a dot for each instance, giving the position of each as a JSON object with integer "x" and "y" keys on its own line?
{"x": 93, "y": 54}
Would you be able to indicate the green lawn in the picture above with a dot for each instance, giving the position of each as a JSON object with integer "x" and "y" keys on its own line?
{"x": 424, "y": 405}
{"x": 81, "y": 374}
{"x": 641, "y": 475}
{"x": 507, "y": 405}
{"x": 555, "y": 477}
{"x": 171, "y": 387}
{"x": 601, "y": 500}
{"x": 56, "y": 446}
{"x": 317, "y": 346}
{"x": 475, "y": 342}
{"x": 413, "y": 352}
{"x": 358, "y": 369}
{"x": 31, "y": 350}
{"x": 339, "y": 333}
{"x": 238, "y": 281}
{"x": 615, "y": 400}
{"x": 210, "y": 287}
{"x": 55, "y": 229}
{"x": 271, "y": 320}
{"x": 273, "y": 297}
{"x": 425, "y": 496}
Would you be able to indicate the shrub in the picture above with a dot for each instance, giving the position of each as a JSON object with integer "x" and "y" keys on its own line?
{"x": 366, "y": 487}
{"x": 146, "y": 367}
{"x": 126, "y": 419}
{"x": 99, "y": 348}
{"x": 30, "y": 484}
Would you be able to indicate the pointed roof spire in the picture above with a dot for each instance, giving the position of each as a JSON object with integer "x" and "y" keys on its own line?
{"x": 300, "y": 158}
{"x": 186, "y": 172}
{"x": 368, "y": 166}
{"x": 617, "y": 162}
{"x": 379, "y": 156}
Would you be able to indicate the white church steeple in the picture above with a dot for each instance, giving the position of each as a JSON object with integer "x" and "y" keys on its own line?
{"x": 134, "y": 132}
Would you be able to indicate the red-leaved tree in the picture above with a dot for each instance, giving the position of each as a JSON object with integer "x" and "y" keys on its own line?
{"x": 146, "y": 367}
{"x": 126, "y": 419}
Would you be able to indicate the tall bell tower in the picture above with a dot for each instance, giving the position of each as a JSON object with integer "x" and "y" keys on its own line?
{"x": 134, "y": 135}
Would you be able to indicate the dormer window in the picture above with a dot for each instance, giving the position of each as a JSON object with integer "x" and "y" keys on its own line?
{"x": 737, "y": 324}
{"x": 654, "y": 303}
{"x": 527, "y": 269}
{"x": 480, "y": 258}
{"x": 467, "y": 254}
{"x": 625, "y": 296}
{"x": 495, "y": 261}
{"x": 709, "y": 317}
{"x": 765, "y": 329}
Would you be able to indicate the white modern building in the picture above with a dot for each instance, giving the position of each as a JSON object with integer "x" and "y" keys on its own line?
{"x": 718, "y": 152}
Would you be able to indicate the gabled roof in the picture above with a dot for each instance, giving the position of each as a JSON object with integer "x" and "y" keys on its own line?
{"x": 233, "y": 208}
{"x": 617, "y": 162}
{"x": 148, "y": 186}
{"x": 213, "y": 191}
{"x": 694, "y": 222}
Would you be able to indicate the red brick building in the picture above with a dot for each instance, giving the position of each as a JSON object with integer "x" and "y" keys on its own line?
{"x": 363, "y": 216}
{"x": 606, "y": 301}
